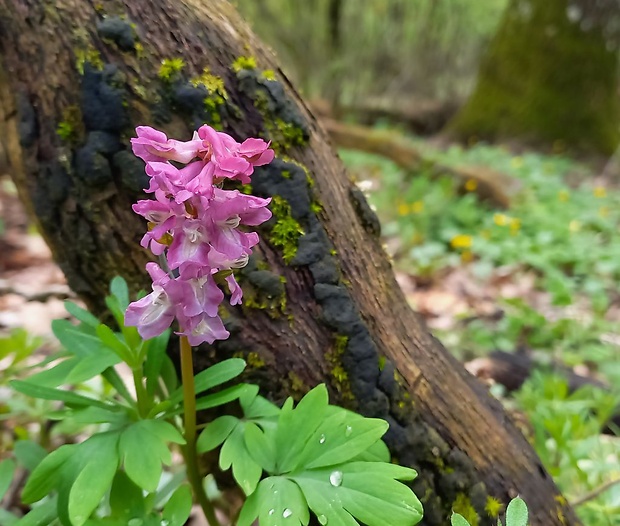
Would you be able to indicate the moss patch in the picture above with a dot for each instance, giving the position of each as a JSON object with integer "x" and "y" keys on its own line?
{"x": 71, "y": 128}
{"x": 90, "y": 56}
{"x": 243, "y": 63}
{"x": 493, "y": 507}
{"x": 170, "y": 69}
{"x": 463, "y": 506}
{"x": 286, "y": 230}
{"x": 337, "y": 371}
{"x": 217, "y": 97}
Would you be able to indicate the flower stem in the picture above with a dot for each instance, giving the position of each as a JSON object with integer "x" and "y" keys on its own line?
{"x": 141, "y": 395}
{"x": 191, "y": 456}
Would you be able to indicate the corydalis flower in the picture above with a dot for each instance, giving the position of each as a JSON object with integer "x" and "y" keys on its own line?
{"x": 194, "y": 226}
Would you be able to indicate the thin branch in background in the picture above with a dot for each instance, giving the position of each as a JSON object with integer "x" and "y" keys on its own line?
{"x": 594, "y": 493}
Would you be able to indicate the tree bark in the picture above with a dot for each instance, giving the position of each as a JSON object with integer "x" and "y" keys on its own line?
{"x": 321, "y": 302}
{"x": 550, "y": 78}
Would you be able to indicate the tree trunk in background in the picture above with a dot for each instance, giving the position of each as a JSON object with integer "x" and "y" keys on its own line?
{"x": 550, "y": 78}
{"x": 321, "y": 303}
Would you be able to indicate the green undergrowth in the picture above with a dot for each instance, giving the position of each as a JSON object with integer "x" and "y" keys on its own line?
{"x": 561, "y": 235}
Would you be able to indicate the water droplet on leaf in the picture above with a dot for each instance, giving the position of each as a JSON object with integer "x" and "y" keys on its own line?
{"x": 322, "y": 519}
{"x": 322, "y": 439}
{"x": 348, "y": 431}
{"x": 287, "y": 513}
{"x": 335, "y": 478}
{"x": 272, "y": 511}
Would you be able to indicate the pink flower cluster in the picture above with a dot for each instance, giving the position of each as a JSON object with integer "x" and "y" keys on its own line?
{"x": 193, "y": 227}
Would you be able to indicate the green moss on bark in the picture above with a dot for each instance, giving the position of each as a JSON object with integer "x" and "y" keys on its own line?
{"x": 545, "y": 81}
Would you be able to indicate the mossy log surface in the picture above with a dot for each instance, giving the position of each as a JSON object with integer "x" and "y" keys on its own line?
{"x": 321, "y": 301}
{"x": 549, "y": 79}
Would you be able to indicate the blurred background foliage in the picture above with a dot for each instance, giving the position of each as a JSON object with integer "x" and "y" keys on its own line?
{"x": 347, "y": 52}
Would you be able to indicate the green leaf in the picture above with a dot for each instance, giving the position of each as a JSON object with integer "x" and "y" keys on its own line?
{"x": 215, "y": 375}
{"x": 116, "y": 344}
{"x": 97, "y": 415}
{"x": 126, "y": 499}
{"x": 296, "y": 426}
{"x": 246, "y": 471}
{"x": 40, "y": 515}
{"x": 116, "y": 381}
{"x": 29, "y": 454}
{"x": 277, "y": 502}
{"x": 341, "y": 437}
{"x": 177, "y": 509}
{"x": 259, "y": 407}
{"x": 216, "y": 399}
{"x": 94, "y": 479}
{"x": 378, "y": 452}
{"x": 7, "y": 469}
{"x": 367, "y": 491}
{"x": 169, "y": 374}
{"x": 458, "y": 520}
{"x": 92, "y": 366}
{"x": 47, "y": 474}
{"x": 155, "y": 354}
{"x": 516, "y": 513}
{"x": 164, "y": 430}
{"x": 57, "y": 375}
{"x": 118, "y": 288}
{"x": 165, "y": 491}
{"x": 215, "y": 433}
{"x": 81, "y": 314}
{"x": 7, "y": 518}
{"x": 78, "y": 340}
{"x": 48, "y": 393}
{"x": 143, "y": 447}
{"x": 260, "y": 447}
{"x": 20, "y": 344}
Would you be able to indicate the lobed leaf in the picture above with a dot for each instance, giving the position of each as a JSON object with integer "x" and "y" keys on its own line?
{"x": 367, "y": 491}
{"x": 178, "y": 508}
{"x": 213, "y": 376}
{"x": 215, "y": 433}
{"x": 144, "y": 448}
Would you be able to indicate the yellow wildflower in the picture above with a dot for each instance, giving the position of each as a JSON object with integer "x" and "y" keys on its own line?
{"x": 403, "y": 209}
{"x": 600, "y": 192}
{"x": 467, "y": 256}
{"x": 500, "y": 219}
{"x": 417, "y": 207}
{"x": 417, "y": 238}
{"x": 515, "y": 225}
{"x": 516, "y": 162}
{"x": 471, "y": 185}
{"x": 461, "y": 241}
{"x": 563, "y": 196}
{"x": 574, "y": 226}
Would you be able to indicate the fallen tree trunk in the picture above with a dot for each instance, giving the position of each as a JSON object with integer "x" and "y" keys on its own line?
{"x": 490, "y": 185}
{"x": 420, "y": 116}
{"x": 321, "y": 303}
